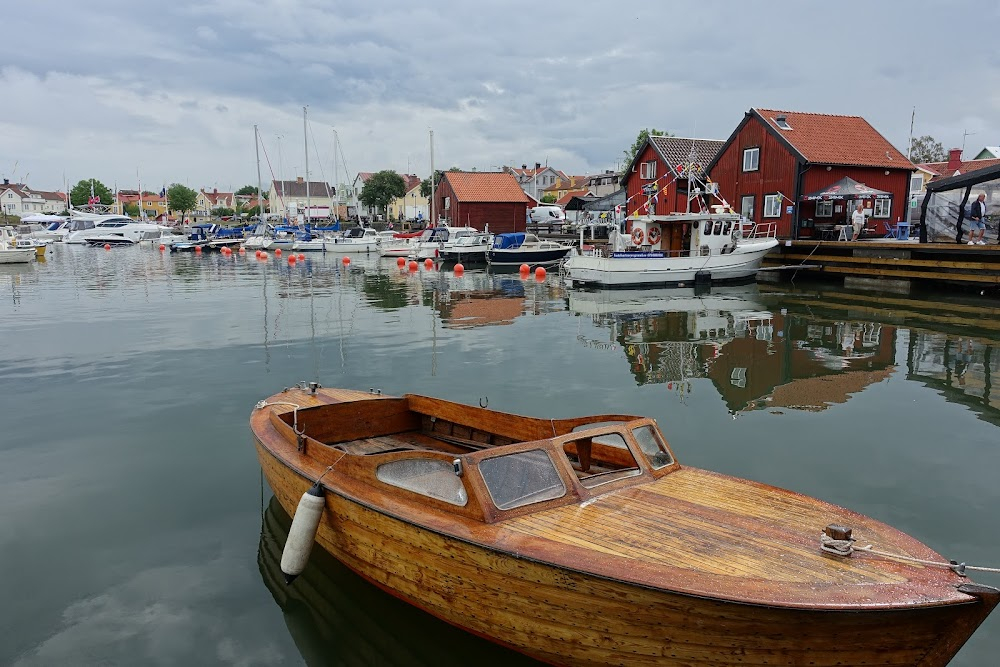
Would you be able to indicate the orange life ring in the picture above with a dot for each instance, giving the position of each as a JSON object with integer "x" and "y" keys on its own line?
{"x": 654, "y": 235}
{"x": 637, "y": 235}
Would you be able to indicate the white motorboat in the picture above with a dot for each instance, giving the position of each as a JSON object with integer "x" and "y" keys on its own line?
{"x": 110, "y": 230}
{"x": 393, "y": 244}
{"x": 433, "y": 240}
{"x": 679, "y": 249}
{"x": 357, "y": 239}
{"x": 468, "y": 249}
{"x": 9, "y": 252}
{"x": 56, "y": 230}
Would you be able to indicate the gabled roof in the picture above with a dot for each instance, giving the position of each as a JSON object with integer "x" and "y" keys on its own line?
{"x": 493, "y": 187}
{"x": 411, "y": 181}
{"x": 835, "y": 140}
{"x": 297, "y": 189}
{"x": 16, "y": 187}
{"x": 974, "y": 177}
{"x": 677, "y": 151}
{"x": 992, "y": 150}
{"x": 964, "y": 167}
{"x": 565, "y": 199}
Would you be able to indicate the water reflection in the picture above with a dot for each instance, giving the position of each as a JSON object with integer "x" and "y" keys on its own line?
{"x": 337, "y": 618}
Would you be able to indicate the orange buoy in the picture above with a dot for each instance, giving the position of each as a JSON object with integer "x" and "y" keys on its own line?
{"x": 107, "y": 246}
{"x": 459, "y": 269}
{"x": 243, "y": 250}
{"x": 262, "y": 255}
{"x": 346, "y": 260}
{"x": 301, "y": 257}
{"x": 291, "y": 259}
{"x": 540, "y": 273}
{"x": 400, "y": 262}
{"x": 162, "y": 247}
{"x": 525, "y": 268}
{"x": 257, "y": 254}
{"x": 428, "y": 263}
{"x": 197, "y": 248}
{"x": 413, "y": 265}
{"x": 277, "y": 252}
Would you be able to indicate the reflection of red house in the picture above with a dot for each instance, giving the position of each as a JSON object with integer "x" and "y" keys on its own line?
{"x": 477, "y": 199}
{"x": 466, "y": 310}
{"x": 774, "y": 158}
{"x": 658, "y": 164}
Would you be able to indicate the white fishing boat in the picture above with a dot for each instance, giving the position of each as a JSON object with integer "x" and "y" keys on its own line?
{"x": 357, "y": 239}
{"x": 9, "y": 252}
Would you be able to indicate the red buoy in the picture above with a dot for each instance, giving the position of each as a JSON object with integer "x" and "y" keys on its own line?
{"x": 243, "y": 250}
{"x": 107, "y": 246}
{"x": 413, "y": 266}
{"x": 162, "y": 247}
{"x": 459, "y": 269}
{"x": 301, "y": 257}
{"x": 291, "y": 259}
{"x": 346, "y": 260}
{"x": 428, "y": 263}
{"x": 277, "y": 252}
{"x": 540, "y": 273}
{"x": 400, "y": 262}
{"x": 197, "y": 248}
{"x": 525, "y": 268}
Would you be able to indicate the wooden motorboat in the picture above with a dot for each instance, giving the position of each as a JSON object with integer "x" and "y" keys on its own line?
{"x": 583, "y": 541}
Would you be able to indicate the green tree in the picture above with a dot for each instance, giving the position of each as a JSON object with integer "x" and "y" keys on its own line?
{"x": 925, "y": 149}
{"x": 80, "y": 194}
{"x": 181, "y": 198}
{"x": 639, "y": 141}
{"x": 549, "y": 198}
{"x": 381, "y": 189}
{"x": 251, "y": 190}
{"x": 425, "y": 185}
{"x": 222, "y": 212}
{"x": 131, "y": 210}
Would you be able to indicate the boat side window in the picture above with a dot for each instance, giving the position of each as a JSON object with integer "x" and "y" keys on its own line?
{"x": 601, "y": 459}
{"x": 708, "y": 228}
{"x": 429, "y": 477}
{"x": 522, "y": 478}
{"x": 718, "y": 227}
{"x": 725, "y": 228}
{"x": 652, "y": 447}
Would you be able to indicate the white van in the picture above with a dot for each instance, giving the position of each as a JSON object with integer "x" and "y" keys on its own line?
{"x": 547, "y": 214}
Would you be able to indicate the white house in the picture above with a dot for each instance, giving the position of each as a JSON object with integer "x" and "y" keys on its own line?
{"x": 288, "y": 198}
{"x": 20, "y": 200}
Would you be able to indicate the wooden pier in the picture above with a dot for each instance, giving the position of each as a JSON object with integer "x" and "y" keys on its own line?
{"x": 894, "y": 266}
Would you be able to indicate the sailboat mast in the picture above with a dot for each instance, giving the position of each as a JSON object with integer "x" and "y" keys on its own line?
{"x": 433, "y": 198}
{"x": 142, "y": 213}
{"x": 260, "y": 189}
{"x": 305, "y": 140}
{"x": 336, "y": 180}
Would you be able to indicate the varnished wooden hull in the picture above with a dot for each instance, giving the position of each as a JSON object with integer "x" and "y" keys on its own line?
{"x": 564, "y": 615}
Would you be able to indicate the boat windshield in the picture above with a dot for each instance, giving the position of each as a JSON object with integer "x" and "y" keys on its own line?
{"x": 355, "y": 233}
{"x": 521, "y": 478}
{"x": 429, "y": 477}
{"x": 600, "y": 459}
{"x": 54, "y": 226}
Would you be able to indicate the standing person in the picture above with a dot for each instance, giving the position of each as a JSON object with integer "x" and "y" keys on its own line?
{"x": 977, "y": 221}
{"x": 858, "y": 220}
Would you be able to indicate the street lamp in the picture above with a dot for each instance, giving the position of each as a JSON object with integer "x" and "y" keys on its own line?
{"x": 413, "y": 197}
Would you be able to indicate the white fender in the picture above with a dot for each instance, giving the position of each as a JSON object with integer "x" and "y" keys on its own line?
{"x": 302, "y": 534}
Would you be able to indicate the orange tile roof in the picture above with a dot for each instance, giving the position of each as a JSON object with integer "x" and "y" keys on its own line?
{"x": 569, "y": 195}
{"x": 472, "y": 186}
{"x": 964, "y": 167}
{"x": 842, "y": 140}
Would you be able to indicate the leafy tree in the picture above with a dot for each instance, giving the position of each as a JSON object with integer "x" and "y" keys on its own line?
{"x": 223, "y": 212}
{"x": 251, "y": 190}
{"x": 181, "y": 198}
{"x": 425, "y": 185}
{"x": 80, "y": 194}
{"x": 639, "y": 141}
{"x": 250, "y": 212}
{"x": 381, "y": 189}
{"x": 925, "y": 149}
{"x": 549, "y": 198}
{"x": 131, "y": 209}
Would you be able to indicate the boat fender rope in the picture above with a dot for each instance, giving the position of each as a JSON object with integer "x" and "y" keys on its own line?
{"x": 295, "y": 414}
{"x": 846, "y": 548}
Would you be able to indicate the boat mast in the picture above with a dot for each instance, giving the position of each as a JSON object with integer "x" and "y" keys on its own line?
{"x": 336, "y": 180}
{"x": 142, "y": 213}
{"x": 260, "y": 193}
{"x": 305, "y": 140}
{"x": 433, "y": 198}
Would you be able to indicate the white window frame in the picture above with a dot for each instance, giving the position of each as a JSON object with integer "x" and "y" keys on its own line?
{"x": 647, "y": 170}
{"x": 447, "y": 203}
{"x": 772, "y": 202}
{"x": 824, "y": 209}
{"x": 751, "y": 155}
{"x": 882, "y": 208}
{"x": 743, "y": 206}
{"x": 916, "y": 183}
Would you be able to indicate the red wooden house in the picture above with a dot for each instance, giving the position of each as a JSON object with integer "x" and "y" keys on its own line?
{"x": 774, "y": 159}
{"x": 657, "y": 167}
{"x": 477, "y": 199}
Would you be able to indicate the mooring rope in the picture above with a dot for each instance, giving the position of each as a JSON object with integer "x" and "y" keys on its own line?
{"x": 846, "y": 548}
{"x": 295, "y": 414}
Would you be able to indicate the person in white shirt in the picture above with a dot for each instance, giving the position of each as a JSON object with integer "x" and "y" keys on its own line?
{"x": 858, "y": 221}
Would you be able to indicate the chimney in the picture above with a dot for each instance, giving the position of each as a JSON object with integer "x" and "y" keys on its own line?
{"x": 215, "y": 191}
{"x": 954, "y": 159}
{"x": 298, "y": 179}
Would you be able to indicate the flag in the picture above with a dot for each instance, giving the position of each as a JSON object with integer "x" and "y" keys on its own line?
{"x": 163, "y": 192}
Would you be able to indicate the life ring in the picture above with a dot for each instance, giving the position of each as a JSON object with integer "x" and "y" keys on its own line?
{"x": 654, "y": 235}
{"x": 637, "y": 236}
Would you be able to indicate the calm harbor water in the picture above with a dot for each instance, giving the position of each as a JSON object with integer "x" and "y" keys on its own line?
{"x": 136, "y": 528}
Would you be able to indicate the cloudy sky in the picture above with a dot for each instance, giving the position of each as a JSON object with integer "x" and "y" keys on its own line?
{"x": 171, "y": 91}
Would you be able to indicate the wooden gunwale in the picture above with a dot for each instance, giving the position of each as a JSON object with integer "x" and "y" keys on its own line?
{"x": 645, "y": 574}
{"x": 572, "y": 617}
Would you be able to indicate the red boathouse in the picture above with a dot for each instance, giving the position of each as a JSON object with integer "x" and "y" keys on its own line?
{"x": 774, "y": 159}
{"x": 477, "y": 199}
